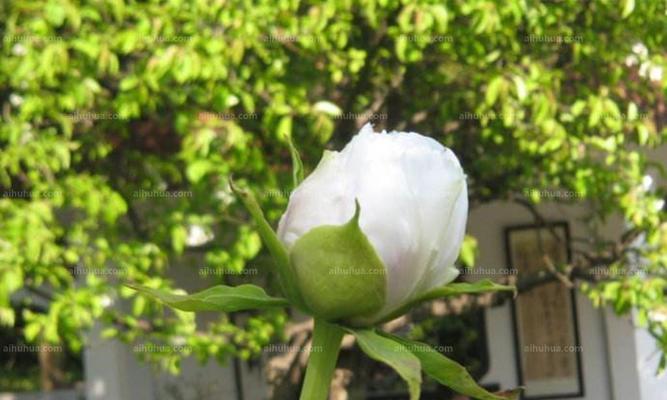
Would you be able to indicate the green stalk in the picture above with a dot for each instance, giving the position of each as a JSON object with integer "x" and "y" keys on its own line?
{"x": 322, "y": 362}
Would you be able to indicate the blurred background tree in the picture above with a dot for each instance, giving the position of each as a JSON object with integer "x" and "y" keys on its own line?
{"x": 122, "y": 121}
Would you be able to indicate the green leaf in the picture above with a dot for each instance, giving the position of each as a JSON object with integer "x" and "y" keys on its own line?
{"x": 339, "y": 272}
{"x": 196, "y": 170}
{"x": 328, "y": 108}
{"x": 31, "y": 331}
{"x": 452, "y": 289}
{"x": 129, "y": 82}
{"x": 633, "y": 112}
{"x": 55, "y": 13}
{"x": 297, "y": 164}
{"x": 278, "y": 251}
{"x": 596, "y": 112}
{"x": 627, "y": 7}
{"x": 285, "y": 126}
{"x": 493, "y": 90}
{"x": 521, "y": 90}
{"x": 179, "y": 235}
{"x": 469, "y": 250}
{"x": 394, "y": 354}
{"x": 448, "y": 372}
{"x": 440, "y": 14}
{"x": 578, "y": 107}
{"x": 217, "y": 298}
{"x": 642, "y": 134}
{"x": 401, "y": 47}
{"x": 458, "y": 288}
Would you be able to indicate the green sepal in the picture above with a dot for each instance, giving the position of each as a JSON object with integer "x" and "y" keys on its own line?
{"x": 339, "y": 272}
{"x": 449, "y": 290}
{"x": 278, "y": 251}
{"x": 217, "y": 298}
{"x": 448, "y": 372}
{"x": 297, "y": 164}
{"x": 394, "y": 354}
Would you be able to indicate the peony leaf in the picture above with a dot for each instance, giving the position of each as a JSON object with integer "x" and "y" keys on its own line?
{"x": 217, "y": 298}
{"x": 394, "y": 354}
{"x": 452, "y": 289}
{"x": 339, "y": 272}
{"x": 448, "y": 372}
{"x": 457, "y": 288}
{"x": 275, "y": 246}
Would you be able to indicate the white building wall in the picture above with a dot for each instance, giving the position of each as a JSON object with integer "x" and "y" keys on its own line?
{"x": 652, "y": 387}
{"x": 619, "y": 360}
{"x": 114, "y": 372}
{"x": 487, "y": 224}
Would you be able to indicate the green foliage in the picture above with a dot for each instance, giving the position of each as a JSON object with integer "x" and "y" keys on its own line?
{"x": 450, "y": 290}
{"x": 122, "y": 122}
{"x": 217, "y": 298}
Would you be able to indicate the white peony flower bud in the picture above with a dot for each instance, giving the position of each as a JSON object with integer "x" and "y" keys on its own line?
{"x": 413, "y": 207}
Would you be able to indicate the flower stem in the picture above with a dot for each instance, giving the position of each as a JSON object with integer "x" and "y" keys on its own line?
{"x": 322, "y": 362}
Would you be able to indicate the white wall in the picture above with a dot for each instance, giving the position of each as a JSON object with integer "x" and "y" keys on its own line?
{"x": 648, "y": 355}
{"x": 113, "y": 372}
{"x": 619, "y": 360}
{"x": 487, "y": 224}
